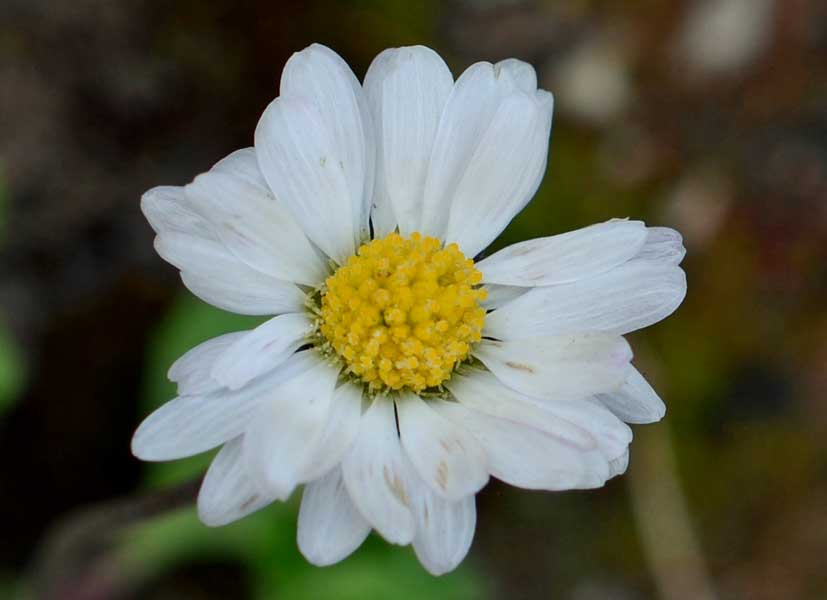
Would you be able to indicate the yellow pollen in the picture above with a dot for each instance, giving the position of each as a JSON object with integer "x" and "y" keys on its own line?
{"x": 403, "y": 311}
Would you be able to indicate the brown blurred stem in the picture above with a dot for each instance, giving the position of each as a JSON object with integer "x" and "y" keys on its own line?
{"x": 670, "y": 544}
{"x": 74, "y": 560}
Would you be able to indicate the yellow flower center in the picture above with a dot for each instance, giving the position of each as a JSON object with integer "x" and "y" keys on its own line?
{"x": 403, "y": 311}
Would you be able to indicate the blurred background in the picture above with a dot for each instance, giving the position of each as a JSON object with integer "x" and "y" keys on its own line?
{"x": 709, "y": 116}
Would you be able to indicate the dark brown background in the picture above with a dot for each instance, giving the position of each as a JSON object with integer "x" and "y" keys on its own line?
{"x": 710, "y": 117}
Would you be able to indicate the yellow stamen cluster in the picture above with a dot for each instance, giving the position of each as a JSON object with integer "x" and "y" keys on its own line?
{"x": 403, "y": 311}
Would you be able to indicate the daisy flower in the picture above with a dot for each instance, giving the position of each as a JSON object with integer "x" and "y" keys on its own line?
{"x": 397, "y": 373}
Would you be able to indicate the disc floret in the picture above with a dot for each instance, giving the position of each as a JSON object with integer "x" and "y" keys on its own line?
{"x": 403, "y": 312}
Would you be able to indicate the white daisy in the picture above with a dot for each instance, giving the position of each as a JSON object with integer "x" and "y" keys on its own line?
{"x": 398, "y": 374}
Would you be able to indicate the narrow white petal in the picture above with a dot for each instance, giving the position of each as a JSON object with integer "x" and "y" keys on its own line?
{"x": 245, "y": 293}
{"x": 636, "y": 401}
{"x": 381, "y": 212}
{"x": 502, "y": 174}
{"x": 169, "y": 211}
{"x": 522, "y": 73}
{"x": 256, "y": 227}
{"x": 444, "y": 530}
{"x": 287, "y": 428}
{"x": 302, "y": 165}
{"x": 260, "y": 350}
{"x": 528, "y": 457}
{"x": 330, "y": 527}
{"x": 197, "y": 255}
{"x": 190, "y": 425}
{"x": 663, "y": 245}
{"x": 500, "y": 295}
{"x": 482, "y": 391}
{"x": 629, "y": 297}
{"x": 448, "y": 458}
{"x": 227, "y": 492}
{"x": 619, "y": 465}
{"x": 407, "y": 89}
{"x": 565, "y": 366}
{"x": 320, "y": 75}
{"x": 219, "y": 278}
{"x": 243, "y": 165}
{"x": 580, "y": 423}
{"x": 611, "y": 435}
{"x": 567, "y": 257}
{"x": 339, "y": 432}
{"x": 468, "y": 112}
{"x": 376, "y": 475}
{"x": 192, "y": 370}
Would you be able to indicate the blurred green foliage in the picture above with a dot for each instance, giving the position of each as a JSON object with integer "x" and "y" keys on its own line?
{"x": 12, "y": 371}
{"x": 12, "y": 365}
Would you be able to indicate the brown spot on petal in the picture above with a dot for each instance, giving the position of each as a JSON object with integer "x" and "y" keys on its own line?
{"x": 442, "y": 475}
{"x": 395, "y": 485}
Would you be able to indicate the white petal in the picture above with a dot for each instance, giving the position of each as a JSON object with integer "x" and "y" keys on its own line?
{"x": 528, "y": 457}
{"x": 663, "y": 245}
{"x": 448, "y": 458}
{"x": 444, "y": 530}
{"x": 611, "y": 435}
{"x": 218, "y": 277}
{"x": 262, "y": 349}
{"x": 636, "y": 401}
{"x": 500, "y": 295}
{"x": 629, "y": 297}
{"x": 302, "y": 165}
{"x": 256, "y": 227}
{"x": 320, "y": 75}
{"x": 482, "y": 391}
{"x": 580, "y": 423}
{"x": 197, "y": 255}
{"x": 522, "y": 73}
{"x": 287, "y": 428}
{"x": 241, "y": 164}
{"x": 382, "y": 218}
{"x": 330, "y": 527}
{"x": 468, "y": 112}
{"x": 190, "y": 425}
{"x": 227, "y": 492}
{"x": 566, "y": 257}
{"x": 244, "y": 294}
{"x": 339, "y": 432}
{"x": 169, "y": 211}
{"x": 192, "y": 370}
{"x": 619, "y": 465}
{"x": 503, "y": 173}
{"x": 566, "y": 366}
{"x": 381, "y": 211}
{"x": 376, "y": 475}
{"x": 407, "y": 89}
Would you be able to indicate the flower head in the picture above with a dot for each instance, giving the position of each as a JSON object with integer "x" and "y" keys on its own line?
{"x": 397, "y": 374}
